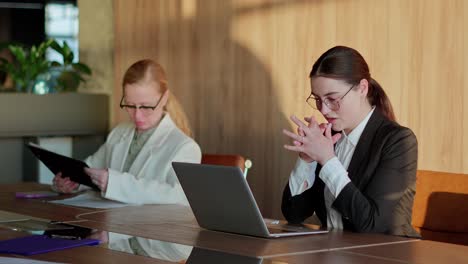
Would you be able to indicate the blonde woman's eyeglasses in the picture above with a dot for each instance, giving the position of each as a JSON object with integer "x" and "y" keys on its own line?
{"x": 145, "y": 109}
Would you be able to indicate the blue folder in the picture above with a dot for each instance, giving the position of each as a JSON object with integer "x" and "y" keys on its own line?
{"x": 37, "y": 244}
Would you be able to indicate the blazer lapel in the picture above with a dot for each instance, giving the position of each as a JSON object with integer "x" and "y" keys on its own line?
{"x": 361, "y": 153}
{"x": 120, "y": 149}
{"x": 154, "y": 141}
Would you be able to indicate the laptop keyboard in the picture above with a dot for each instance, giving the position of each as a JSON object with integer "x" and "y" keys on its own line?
{"x": 281, "y": 228}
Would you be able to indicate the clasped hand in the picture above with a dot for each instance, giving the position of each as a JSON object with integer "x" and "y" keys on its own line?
{"x": 314, "y": 141}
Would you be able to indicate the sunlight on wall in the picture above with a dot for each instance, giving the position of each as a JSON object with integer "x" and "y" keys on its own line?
{"x": 272, "y": 34}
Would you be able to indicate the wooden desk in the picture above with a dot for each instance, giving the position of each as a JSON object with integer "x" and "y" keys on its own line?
{"x": 330, "y": 257}
{"x": 36, "y": 207}
{"x": 423, "y": 251}
{"x": 91, "y": 254}
{"x": 176, "y": 224}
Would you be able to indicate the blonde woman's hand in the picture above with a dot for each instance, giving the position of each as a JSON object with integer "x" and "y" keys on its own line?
{"x": 102, "y": 236}
{"x": 100, "y": 177}
{"x": 64, "y": 185}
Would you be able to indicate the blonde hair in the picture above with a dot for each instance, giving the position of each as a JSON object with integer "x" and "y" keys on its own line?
{"x": 149, "y": 70}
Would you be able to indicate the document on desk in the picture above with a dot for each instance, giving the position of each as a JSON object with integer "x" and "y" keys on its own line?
{"x": 90, "y": 199}
{"x": 24, "y": 261}
{"x": 6, "y": 217}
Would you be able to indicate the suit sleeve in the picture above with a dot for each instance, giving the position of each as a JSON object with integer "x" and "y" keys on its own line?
{"x": 125, "y": 187}
{"x": 372, "y": 210}
{"x": 299, "y": 207}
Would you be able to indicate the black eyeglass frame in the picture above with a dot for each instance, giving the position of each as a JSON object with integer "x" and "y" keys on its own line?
{"x": 134, "y": 107}
{"x": 318, "y": 101}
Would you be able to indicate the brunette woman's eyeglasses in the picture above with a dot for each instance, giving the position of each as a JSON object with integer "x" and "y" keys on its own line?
{"x": 332, "y": 104}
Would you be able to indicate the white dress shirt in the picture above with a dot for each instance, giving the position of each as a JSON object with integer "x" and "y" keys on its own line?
{"x": 334, "y": 173}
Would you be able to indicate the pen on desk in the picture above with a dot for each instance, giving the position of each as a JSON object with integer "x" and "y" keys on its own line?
{"x": 65, "y": 237}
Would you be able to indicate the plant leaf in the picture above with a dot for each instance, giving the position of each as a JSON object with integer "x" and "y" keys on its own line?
{"x": 80, "y": 67}
{"x": 19, "y": 53}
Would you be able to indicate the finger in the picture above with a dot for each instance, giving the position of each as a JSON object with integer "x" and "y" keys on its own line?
{"x": 292, "y": 135}
{"x": 88, "y": 171}
{"x": 328, "y": 131}
{"x": 299, "y": 124}
{"x": 336, "y": 137}
{"x": 300, "y": 132}
{"x": 71, "y": 188}
{"x": 68, "y": 185}
{"x": 294, "y": 148}
{"x": 58, "y": 179}
{"x": 308, "y": 120}
{"x": 323, "y": 126}
{"x": 74, "y": 185}
{"x": 313, "y": 122}
{"x": 66, "y": 189}
{"x": 95, "y": 182}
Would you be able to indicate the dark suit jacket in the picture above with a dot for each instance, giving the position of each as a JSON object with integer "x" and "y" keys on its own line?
{"x": 380, "y": 196}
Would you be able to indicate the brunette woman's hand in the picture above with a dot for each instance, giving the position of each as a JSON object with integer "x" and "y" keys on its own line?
{"x": 313, "y": 141}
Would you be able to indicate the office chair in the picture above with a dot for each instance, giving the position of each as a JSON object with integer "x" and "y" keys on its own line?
{"x": 440, "y": 210}
{"x": 228, "y": 160}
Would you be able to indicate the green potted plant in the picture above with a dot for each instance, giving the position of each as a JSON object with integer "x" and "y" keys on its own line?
{"x": 31, "y": 72}
{"x": 71, "y": 73}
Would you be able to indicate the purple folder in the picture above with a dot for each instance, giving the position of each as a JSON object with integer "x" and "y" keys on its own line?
{"x": 31, "y": 245}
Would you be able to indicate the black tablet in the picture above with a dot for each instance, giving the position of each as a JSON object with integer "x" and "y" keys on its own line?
{"x": 72, "y": 168}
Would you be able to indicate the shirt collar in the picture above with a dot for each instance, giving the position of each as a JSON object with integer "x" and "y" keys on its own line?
{"x": 354, "y": 136}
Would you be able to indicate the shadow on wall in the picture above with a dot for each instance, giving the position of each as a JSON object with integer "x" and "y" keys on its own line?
{"x": 230, "y": 98}
{"x": 446, "y": 218}
{"x": 222, "y": 77}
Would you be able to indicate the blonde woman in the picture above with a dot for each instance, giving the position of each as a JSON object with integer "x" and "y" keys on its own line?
{"x": 134, "y": 164}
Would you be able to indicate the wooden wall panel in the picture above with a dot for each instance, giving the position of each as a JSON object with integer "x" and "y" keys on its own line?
{"x": 240, "y": 69}
{"x": 464, "y": 95}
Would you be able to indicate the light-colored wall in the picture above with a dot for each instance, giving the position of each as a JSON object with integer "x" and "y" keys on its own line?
{"x": 96, "y": 42}
{"x": 240, "y": 69}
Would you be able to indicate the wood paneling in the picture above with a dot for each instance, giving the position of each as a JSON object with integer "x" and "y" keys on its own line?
{"x": 240, "y": 69}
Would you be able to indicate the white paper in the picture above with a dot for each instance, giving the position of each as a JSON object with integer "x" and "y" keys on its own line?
{"x": 23, "y": 261}
{"x": 6, "y": 217}
{"x": 91, "y": 199}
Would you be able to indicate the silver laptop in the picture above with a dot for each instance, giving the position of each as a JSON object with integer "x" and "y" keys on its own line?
{"x": 221, "y": 200}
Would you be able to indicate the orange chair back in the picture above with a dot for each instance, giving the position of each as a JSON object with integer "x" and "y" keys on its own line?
{"x": 440, "y": 210}
{"x": 225, "y": 160}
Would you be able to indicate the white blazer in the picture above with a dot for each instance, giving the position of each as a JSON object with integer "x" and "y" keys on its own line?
{"x": 151, "y": 179}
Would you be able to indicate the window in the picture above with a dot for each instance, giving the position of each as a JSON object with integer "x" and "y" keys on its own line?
{"x": 61, "y": 23}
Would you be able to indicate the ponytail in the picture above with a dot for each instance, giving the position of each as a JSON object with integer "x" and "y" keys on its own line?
{"x": 175, "y": 110}
{"x": 379, "y": 98}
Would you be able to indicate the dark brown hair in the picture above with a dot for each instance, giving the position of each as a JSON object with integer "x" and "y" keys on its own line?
{"x": 344, "y": 63}
{"x": 150, "y": 71}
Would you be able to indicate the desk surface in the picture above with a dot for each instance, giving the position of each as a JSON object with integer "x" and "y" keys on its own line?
{"x": 176, "y": 224}
{"x": 36, "y": 207}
